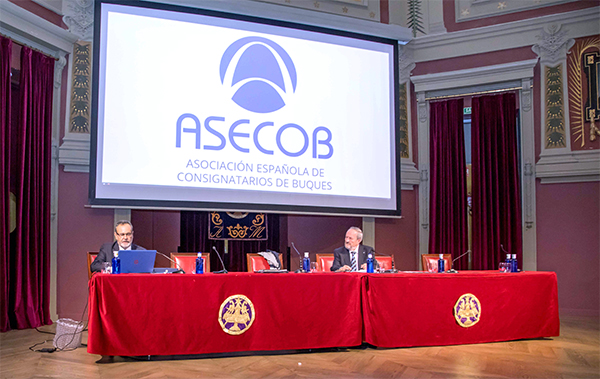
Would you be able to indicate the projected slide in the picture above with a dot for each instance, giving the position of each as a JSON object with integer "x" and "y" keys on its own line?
{"x": 210, "y": 112}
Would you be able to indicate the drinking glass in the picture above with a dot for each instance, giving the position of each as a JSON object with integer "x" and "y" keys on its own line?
{"x": 106, "y": 268}
{"x": 504, "y": 267}
{"x": 432, "y": 266}
{"x": 313, "y": 266}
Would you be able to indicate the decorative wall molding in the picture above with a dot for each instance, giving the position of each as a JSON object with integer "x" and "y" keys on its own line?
{"x": 466, "y": 10}
{"x": 510, "y": 35}
{"x": 570, "y": 167}
{"x": 79, "y": 17}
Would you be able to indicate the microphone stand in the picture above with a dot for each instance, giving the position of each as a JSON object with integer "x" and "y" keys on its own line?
{"x": 299, "y": 259}
{"x": 453, "y": 271}
{"x": 180, "y": 270}
{"x": 224, "y": 270}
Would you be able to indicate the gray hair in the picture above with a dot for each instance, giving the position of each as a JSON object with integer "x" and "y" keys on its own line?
{"x": 123, "y": 222}
{"x": 358, "y": 231}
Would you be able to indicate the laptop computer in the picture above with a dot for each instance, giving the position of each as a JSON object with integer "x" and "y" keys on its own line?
{"x": 137, "y": 261}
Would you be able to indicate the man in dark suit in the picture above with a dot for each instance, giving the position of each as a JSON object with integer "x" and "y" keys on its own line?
{"x": 344, "y": 257}
{"x": 124, "y": 241}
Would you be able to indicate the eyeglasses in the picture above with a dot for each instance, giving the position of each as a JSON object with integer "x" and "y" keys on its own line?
{"x": 125, "y": 234}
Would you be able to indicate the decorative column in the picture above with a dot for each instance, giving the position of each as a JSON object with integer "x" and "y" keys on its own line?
{"x": 74, "y": 152}
{"x": 406, "y": 63}
{"x": 423, "y": 113}
{"x": 552, "y": 51}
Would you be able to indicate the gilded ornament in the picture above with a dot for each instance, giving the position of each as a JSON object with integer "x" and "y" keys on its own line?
{"x": 236, "y": 315}
{"x": 467, "y": 310}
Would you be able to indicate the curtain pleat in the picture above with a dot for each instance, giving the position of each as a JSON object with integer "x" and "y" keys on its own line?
{"x": 496, "y": 181}
{"x": 5, "y": 143}
{"x": 448, "y": 192}
{"x": 29, "y": 268}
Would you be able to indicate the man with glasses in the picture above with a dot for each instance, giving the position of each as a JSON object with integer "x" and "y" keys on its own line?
{"x": 124, "y": 236}
{"x": 352, "y": 256}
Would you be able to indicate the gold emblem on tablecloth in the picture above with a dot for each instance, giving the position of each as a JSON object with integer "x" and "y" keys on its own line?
{"x": 467, "y": 310}
{"x": 236, "y": 314}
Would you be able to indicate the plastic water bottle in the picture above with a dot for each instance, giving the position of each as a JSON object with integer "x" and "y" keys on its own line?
{"x": 441, "y": 263}
{"x": 514, "y": 267}
{"x": 199, "y": 264}
{"x": 370, "y": 263}
{"x": 509, "y": 262}
{"x": 306, "y": 262}
{"x": 116, "y": 263}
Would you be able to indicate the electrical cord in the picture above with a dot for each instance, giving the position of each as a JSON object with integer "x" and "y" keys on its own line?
{"x": 53, "y": 349}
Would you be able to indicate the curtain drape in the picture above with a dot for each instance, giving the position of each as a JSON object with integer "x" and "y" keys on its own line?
{"x": 496, "y": 183}
{"x": 194, "y": 238}
{"x": 448, "y": 192}
{"x": 29, "y": 249}
{"x": 5, "y": 117}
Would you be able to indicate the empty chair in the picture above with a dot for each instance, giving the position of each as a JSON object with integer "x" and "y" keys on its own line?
{"x": 431, "y": 260}
{"x": 91, "y": 256}
{"x": 324, "y": 262}
{"x": 187, "y": 261}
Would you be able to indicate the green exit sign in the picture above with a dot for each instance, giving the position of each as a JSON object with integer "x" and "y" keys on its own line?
{"x": 467, "y": 110}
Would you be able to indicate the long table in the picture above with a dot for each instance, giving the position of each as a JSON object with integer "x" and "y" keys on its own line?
{"x": 159, "y": 314}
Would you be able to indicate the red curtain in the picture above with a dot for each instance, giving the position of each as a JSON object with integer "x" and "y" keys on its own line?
{"x": 496, "y": 183}
{"x": 448, "y": 192}
{"x": 5, "y": 142}
{"x": 28, "y": 263}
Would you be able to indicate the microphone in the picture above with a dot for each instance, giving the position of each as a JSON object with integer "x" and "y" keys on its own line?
{"x": 224, "y": 270}
{"x": 180, "y": 270}
{"x": 453, "y": 271}
{"x": 299, "y": 259}
{"x": 393, "y": 269}
{"x": 502, "y": 247}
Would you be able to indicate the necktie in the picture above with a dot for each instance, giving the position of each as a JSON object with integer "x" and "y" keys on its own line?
{"x": 353, "y": 261}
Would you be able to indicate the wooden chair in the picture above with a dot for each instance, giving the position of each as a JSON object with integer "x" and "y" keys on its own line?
{"x": 255, "y": 262}
{"x": 324, "y": 262}
{"x": 187, "y": 261}
{"x": 91, "y": 256}
{"x": 433, "y": 258}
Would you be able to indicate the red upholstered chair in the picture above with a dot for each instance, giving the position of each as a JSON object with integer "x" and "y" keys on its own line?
{"x": 324, "y": 262}
{"x": 256, "y": 262}
{"x": 433, "y": 258}
{"x": 91, "y": 256}
{"x": 187, "y": 261}
{"x": 385, "y": 263}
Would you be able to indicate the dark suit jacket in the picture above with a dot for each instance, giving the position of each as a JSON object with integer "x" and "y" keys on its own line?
{"x": 341, "y": 256}
{"x": 106, "y": 255}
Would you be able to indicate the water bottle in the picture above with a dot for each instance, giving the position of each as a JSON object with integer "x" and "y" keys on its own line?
{"x": 441, "y": 263}
{"x": 306, "y": 262}
{"x": 370, "y": 263}
{"x": 116, "y": 263}
{"x": 199, "y": 264}
{"x": 514, "y": 267}
{"x": 509, "y": 261}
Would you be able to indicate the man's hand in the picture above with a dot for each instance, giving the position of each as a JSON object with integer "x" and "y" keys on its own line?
{"x": 344, "y": 268}
{"x": 364, "y": 266}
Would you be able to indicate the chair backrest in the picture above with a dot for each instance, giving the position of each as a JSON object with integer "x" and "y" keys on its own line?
{"x": 432, "y": 260}
{"x": 187, "y": 261}
{"x": 385, "y": 263}
{"x": 256, "y": 262}
{"x": 324, "y": 262}
{"x": 91, "y": 255}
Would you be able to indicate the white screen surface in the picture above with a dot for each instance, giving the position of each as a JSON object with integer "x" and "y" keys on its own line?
{"x": 211, "y": 112}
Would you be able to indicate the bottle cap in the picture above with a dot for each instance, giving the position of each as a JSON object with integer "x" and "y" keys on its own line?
{"x": 514, "y": 256}
{"x": 370, "y": 255}
{"x": 306, "y": 254}
{"x": 507, "y": 255}
{"x": 116, "y": 253}
{"x": 441, "y": 256}
{"x": 199, "y": 255}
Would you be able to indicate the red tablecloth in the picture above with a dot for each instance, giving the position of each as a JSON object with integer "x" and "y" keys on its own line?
{"x": 417, "y": 309}
{"x": 145, "y": 314}
{"x": 133, "y": 314}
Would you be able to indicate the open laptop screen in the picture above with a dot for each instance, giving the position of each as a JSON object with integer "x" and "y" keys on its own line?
{"x": 137, "y": 261}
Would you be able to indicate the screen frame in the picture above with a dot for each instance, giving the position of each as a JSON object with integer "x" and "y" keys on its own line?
{"x": 95, "y": 202}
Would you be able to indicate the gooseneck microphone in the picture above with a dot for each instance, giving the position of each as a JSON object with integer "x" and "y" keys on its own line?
{"x": 179, "y": 269}
{"x": 224, "y": 270}
{"x": 502, "y": 247}
{"x": 299, "y": 259}
{"x": 453, "y": 271}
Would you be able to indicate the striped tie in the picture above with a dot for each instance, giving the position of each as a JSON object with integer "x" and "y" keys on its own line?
{"x": 353, "y": 261}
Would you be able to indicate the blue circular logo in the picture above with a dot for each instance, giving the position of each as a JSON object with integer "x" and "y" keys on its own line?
{"x": 259, "y": 73}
